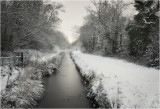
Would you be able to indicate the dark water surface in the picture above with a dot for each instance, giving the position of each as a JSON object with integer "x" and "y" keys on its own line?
{"x": 65, "y": 89}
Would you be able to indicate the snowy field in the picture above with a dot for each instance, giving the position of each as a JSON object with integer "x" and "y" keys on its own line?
{"x": 118, "y": 83}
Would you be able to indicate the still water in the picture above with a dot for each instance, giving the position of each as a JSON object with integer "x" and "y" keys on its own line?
{"x": 65, "y": 89}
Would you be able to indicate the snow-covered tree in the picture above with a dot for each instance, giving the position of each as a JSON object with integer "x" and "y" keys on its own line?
{"x": 143, "y": 32}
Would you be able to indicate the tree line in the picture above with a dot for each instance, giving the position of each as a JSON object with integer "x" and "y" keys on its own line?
{"x": 107, "y": 31}
{"x": 30, "y": 25}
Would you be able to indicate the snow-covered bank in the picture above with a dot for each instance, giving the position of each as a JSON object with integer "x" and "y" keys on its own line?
{"x": 19, "y": 89}
{"x": 117, "y": 83}
{"x": 22, "y": 87}
{"x": 45, "y": 62}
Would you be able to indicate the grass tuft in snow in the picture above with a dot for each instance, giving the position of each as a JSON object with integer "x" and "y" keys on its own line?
{"x": 23, "y": 93}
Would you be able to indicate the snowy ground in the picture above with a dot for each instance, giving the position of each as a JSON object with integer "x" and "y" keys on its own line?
{"x": 117, "y": 83}
{"x": 9, "y": 75}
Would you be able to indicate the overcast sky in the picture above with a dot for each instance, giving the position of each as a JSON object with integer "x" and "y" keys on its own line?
{"x": 75, "y": 11}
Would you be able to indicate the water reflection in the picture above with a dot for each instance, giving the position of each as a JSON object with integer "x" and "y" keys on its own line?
{"x": 64, "y": 89}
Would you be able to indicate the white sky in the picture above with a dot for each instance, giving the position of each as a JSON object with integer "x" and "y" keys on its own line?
{"x": 75, "y": 11}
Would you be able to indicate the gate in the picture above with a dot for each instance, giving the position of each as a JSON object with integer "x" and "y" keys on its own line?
{"x": 12, "y": 59}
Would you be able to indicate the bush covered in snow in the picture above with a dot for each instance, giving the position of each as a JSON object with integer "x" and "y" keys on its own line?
{"x": 20, "y": 89}
{"x": 114, "y": 83}
{"x": 23, "y": 93}
{"x": 9, "y": 75}
{"x": 46, "y": 62}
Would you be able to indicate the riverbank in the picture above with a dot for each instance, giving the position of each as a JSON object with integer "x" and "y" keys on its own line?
{"x": 22, "y": 87}
{"x": 114, "y": 83}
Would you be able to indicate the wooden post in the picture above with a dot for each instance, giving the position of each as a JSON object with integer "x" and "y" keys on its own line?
{"x": 14, "y": 59}
{"x": 22, "y": 59}
{"x": 2, "y": 61}
{"x": 9, "y": 61}
{"x": 18, "y": 59}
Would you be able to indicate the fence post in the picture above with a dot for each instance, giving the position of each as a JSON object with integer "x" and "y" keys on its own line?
{"x": 9, "y": 60}
{"x": 22, "y": 59}
{"x": 14, "y": 59}
{"x": 2, "y": 61}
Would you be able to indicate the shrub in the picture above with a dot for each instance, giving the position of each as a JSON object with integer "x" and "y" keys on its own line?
{"x": 23, "y": 93}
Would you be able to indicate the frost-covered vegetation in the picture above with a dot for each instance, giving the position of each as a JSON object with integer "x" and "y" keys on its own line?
{"x": 23, "y": 92}
{"x": 22, "y": 87}
{"x": 45, "y": 62}
{"x": 114, "y": 83}
{"x": 125, "y": 29}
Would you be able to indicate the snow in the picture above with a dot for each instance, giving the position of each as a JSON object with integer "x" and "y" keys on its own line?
{"x": 8, "y": 76}
{"x": 124, "y": 83}
{"x": 3, "y": 82}
{"x": 41, "y": 57}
